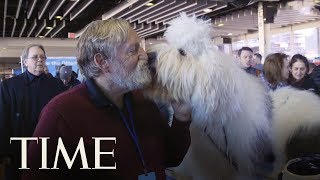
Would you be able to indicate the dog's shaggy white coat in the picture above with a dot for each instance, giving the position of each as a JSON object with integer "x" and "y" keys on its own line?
{"x": 231, "y": 110}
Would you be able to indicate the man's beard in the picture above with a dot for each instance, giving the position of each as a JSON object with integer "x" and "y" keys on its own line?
{"x": 138, "y": 78}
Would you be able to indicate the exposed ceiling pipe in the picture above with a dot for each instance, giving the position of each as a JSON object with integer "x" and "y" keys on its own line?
{"x": 4, "y": 18}
{"x": 34, "y": 25}
{"x": 43, "y": 9}
{"x": 77, "y": 11}
{"x": 30, "y": 10}
{"x": 14, "y": 27}
{"x": 23, "y": 27}
{"x": 55, "y": 9}
{"x": 58, "y": 28}
{"x": 18, "y": 9}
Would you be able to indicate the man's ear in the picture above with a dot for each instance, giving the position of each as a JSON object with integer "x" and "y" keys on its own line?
{"x": 101, "y": 62}
{"x": 25, "y": 63}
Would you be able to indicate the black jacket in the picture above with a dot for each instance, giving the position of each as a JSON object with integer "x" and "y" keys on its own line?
{"x": 21, "y": 101}
{"x": 315, "y": 75}
{"x": 306, "y": 83}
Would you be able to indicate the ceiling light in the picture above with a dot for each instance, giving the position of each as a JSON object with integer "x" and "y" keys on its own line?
{"x": 150, "y": 4}
{"x": 229, "y": 34}
{"x": 208, "y": 10}
{"x": 220, "y": 24}
{"x": 59, "y": 17}
{"x": 41, "y": 36}
{"x": 48, "y": 27}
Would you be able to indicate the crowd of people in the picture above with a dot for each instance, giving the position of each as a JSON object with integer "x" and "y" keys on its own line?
{"x": 279, "y": 70}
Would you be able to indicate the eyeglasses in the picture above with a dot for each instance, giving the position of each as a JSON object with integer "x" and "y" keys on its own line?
{"x": 36, "y": 58}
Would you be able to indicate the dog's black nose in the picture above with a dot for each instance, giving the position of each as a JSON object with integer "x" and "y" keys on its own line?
{"x": 152, "y": 56}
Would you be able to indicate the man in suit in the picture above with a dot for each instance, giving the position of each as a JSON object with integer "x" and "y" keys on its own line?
{"x": 21, "y": 101}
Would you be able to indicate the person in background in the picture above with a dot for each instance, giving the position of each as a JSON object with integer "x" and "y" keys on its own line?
{"x": 299, "y": 78}
{"x": 110, "y": 104}
{"x": 245, "y": 55}
{"x": 58, "y": 70}
{"x": 275, "y": 71}
{"x": 67, "y": 78}
{"x": 311, "y": 67}
{"x": 46, "y": 70}
{"x": 256, "y": 63}
{"x": 21, "y": 101}
{"x": 315, "y": 75}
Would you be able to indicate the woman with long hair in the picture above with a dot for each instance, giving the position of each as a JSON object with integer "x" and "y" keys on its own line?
{"x": 298, "y": 77}
{"x": 275, "y": 71}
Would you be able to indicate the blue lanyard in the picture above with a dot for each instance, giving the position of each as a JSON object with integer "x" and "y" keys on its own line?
{"x": 132, "y": 132}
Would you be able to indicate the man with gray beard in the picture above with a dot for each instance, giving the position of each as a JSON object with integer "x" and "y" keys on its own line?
{"x": 109, "y": 104}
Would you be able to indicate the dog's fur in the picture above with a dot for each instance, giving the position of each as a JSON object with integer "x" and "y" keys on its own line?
{"x": 235, "y": 120}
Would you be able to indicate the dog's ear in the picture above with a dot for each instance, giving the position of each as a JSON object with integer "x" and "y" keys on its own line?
{"x": 182, "y": 52}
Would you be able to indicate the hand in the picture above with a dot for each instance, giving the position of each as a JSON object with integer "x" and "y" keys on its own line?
{"x": 182, "y": 111}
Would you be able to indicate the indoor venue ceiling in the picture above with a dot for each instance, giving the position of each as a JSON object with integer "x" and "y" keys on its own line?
{"x": 49, "y": 18}
{"x": 57, "y": 18}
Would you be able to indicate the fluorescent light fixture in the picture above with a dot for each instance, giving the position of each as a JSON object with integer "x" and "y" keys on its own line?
{"x": 41, "y": 36}
{"x": 48, "y": 27}
{"x": 150, "y": 4}
{"x": 229, "y": 34}
{"x": 58, "y": 17}
{"x": 208, "y": 10}
{"x": 220, "y": 24}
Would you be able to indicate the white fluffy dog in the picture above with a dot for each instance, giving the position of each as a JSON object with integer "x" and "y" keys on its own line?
{"x": 236, "y": 122}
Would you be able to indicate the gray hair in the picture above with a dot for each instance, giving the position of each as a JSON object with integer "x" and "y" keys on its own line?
{"x": 25, "y": 52}
{"x": 101, "y": 36}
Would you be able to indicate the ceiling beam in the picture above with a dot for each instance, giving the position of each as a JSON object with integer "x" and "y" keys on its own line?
{"x": 177, "y": 4}
{"x": 30, "y": 8}
{"x": 133, "y": 8}
{"x": 157, "y": 7}
{"x": 18, "y": 9}
{"x": 145, "y": 9}
{"x": 4, "y": 18}
{"x": 59, "y": 27}
{"x": 118, "y": 9}
{"x": 41, "y": 28}
{"x": 80, "y": 8}
{"x": 68, "y": 8}
{"x": 14, "y": 27}
{"x": 43, "y": 8}
{"x": 49, "y": 30}
{"x": 34, "y": 25}
{"x": 55, "y": 9}
{"x": 23, "y": 27}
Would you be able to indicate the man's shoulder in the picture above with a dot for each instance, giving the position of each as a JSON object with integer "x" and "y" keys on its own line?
{"x": 14, "y": 81}
{"x": 68, "y": 98}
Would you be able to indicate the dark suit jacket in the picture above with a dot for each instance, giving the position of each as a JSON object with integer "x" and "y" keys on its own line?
{"x": 16, "y": 117}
